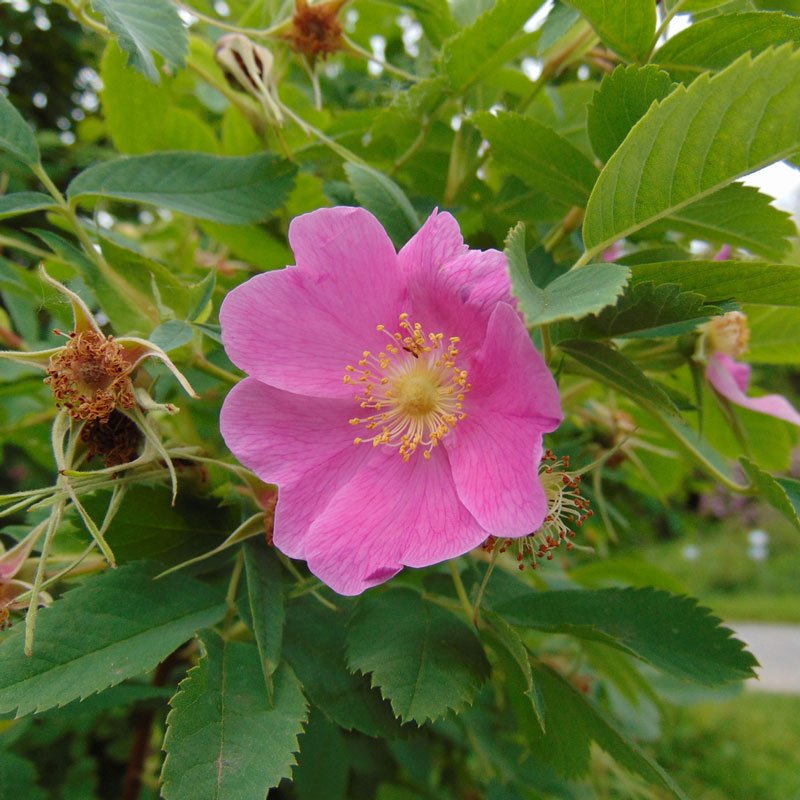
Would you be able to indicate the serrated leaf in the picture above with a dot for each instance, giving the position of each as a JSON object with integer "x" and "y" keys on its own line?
{"x": 538, "y": 156}
{"x": 744, "y": 281}
{"x": 425, "y": 660}
{"x": 570, "y": 296}
{"x": 142, "y": 28}
{"x": 713, "y": 44}
{"x": 23, "y": 203}
{"x": 386, "y": 200}
{"x": 696, "y": 141}
{"x": 670, "y": 632}
{"x": 16, "y": 137}
{"x": 114, "y": 626}
{"x": 627, "y": 26}
{"x": 621, "y": 101}
{"x": 265, "y": 597}
{"x": 324, "y": 761}
{"x": 737, "y": 215}
{"x": 614, "y": 369}
{"x": 573, "y": 721}
{"x": 314, "y": 644}
{"x": 234, "y": 190}
{"x": 435, "y": 16}
{"x": 646, "y": 309}
{"x": 520, "y": 680}
{"x": 488, "y": 43}
{"x": 781, "y": 493}
{"x": 224, "y": 740}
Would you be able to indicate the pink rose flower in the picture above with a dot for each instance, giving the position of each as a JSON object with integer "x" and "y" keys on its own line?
{"x": 396, "y": 399}
{"x": 731, "y": 379}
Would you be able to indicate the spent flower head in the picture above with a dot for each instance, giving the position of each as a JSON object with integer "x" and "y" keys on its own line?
{"x": 396, "y": 399}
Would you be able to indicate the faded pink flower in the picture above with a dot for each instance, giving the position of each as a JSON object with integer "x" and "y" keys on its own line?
{"x": 396, "y": 399}
{"x": 731, "y": 379}
{"x": 724, "y": 338}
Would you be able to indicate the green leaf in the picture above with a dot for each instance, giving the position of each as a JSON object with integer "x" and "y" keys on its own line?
{"x": 573, "y": 720}
{"x": 621, "y": 101}
{"x": 424, "y": 659}
{"x": 570, "y": 296}
{"x": 744, "y": 281}
{"x": 386, "y": 200}
{"x": 613, "y": 368}
{"x": 487, "y": 43}
{"x": 265, "y": 596}
{"x": 713, "y": 44}
{"x": 696, "y": 141}
{"x": 223, "y": 738}
{"x": 774, "y": 335}
{"x": 538, "y": 156}
{"x": 781, "y": 493}
{"x": 23, "y": 203}
{"x": 627, "y": 26}
{"x": 18, "y": 778}
{"x": 172, "y": 334}
{"x": 671, "y": 633}
{"x": 114, "y": 626}
{"x": 15, "y": 135}
{"x": 129, "y": 97}
{"x": 646, "y": 310}
{"x": 314, "y": 644}
{"x": 144, "y": 27}
{"x": 521, "y": 685}
{"x": 737, "y": 215}
{"x": 323, "y": 764}
{"x": 435, "y": 16}
{"x": 234, "y": 190}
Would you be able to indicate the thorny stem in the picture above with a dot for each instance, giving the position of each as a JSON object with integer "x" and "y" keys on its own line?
{"x": 460, "y": 589}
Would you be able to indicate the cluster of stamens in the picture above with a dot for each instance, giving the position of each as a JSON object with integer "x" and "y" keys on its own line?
{"x": 412, "y": 392}
{"x": 565, "y": 506}
{"x": 90, "y": 376}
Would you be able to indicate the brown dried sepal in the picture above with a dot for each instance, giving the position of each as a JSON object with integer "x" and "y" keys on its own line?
{"x": 115, "y": 441}
{"x": 90, "y": 376}
{"x": 316, "y": 30}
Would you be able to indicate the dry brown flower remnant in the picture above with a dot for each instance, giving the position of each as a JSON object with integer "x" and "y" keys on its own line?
{"x": 316, "y": 31}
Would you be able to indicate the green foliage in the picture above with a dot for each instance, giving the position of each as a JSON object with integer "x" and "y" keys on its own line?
{"x": 628, "y": 26}
{"x": 621, "y": 101}
{"x": 781, "y": 493}
{"x": 713, "y": 44}
{"x": 142, "y": 29}
{"x": 224, "y": 738}
{"x": 595, "y": 286}
{"x": 18, "y": 777}
{"x": 672, "y": 633}
{"x": 118, "y": 625}
{"x": 675, "y": 146}
{"x": 432, "y": 661}
{"x": 15, "y": 135}
{"x": 23, "y": 203}
{"x": 223, "y": 189}
{"x": 386, "y": 200}
{"x": 538, "y": 156}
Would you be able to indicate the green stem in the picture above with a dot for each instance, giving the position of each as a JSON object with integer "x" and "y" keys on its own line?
{"x": 204, "y": 365}
{"x": 341, "y": 151}
{"x": 355, "y": 49}
{"x": 460, "y": 589}
{"x": 6, "y": 241}
{"x": 295, "y": 573}
{"x": 485, "y": 582}
{"x": 668, "y": 16}
{"x": 547, "y": 345}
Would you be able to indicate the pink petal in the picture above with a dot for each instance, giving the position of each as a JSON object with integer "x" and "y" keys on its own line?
{"x": 392, "y": 514}
{"x": 452, "y": 289}
{"x": 282, "y": 436}
{"x": 298, "y": 328}
{"x": 730, "y": 378}
{"x": 495, "y": 451}
{"x": 438, "y": 241}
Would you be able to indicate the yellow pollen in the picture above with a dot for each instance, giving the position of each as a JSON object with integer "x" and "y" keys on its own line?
{"x": 414, "y": 389}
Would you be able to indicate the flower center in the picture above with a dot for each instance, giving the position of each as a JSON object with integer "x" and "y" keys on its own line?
{"x": 414, "y": 389}
{"x": 729, "y": 334}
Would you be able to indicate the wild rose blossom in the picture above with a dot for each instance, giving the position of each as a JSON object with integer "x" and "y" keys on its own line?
{"x": 724, "y": 338}
{"x": 396, "y": 399}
